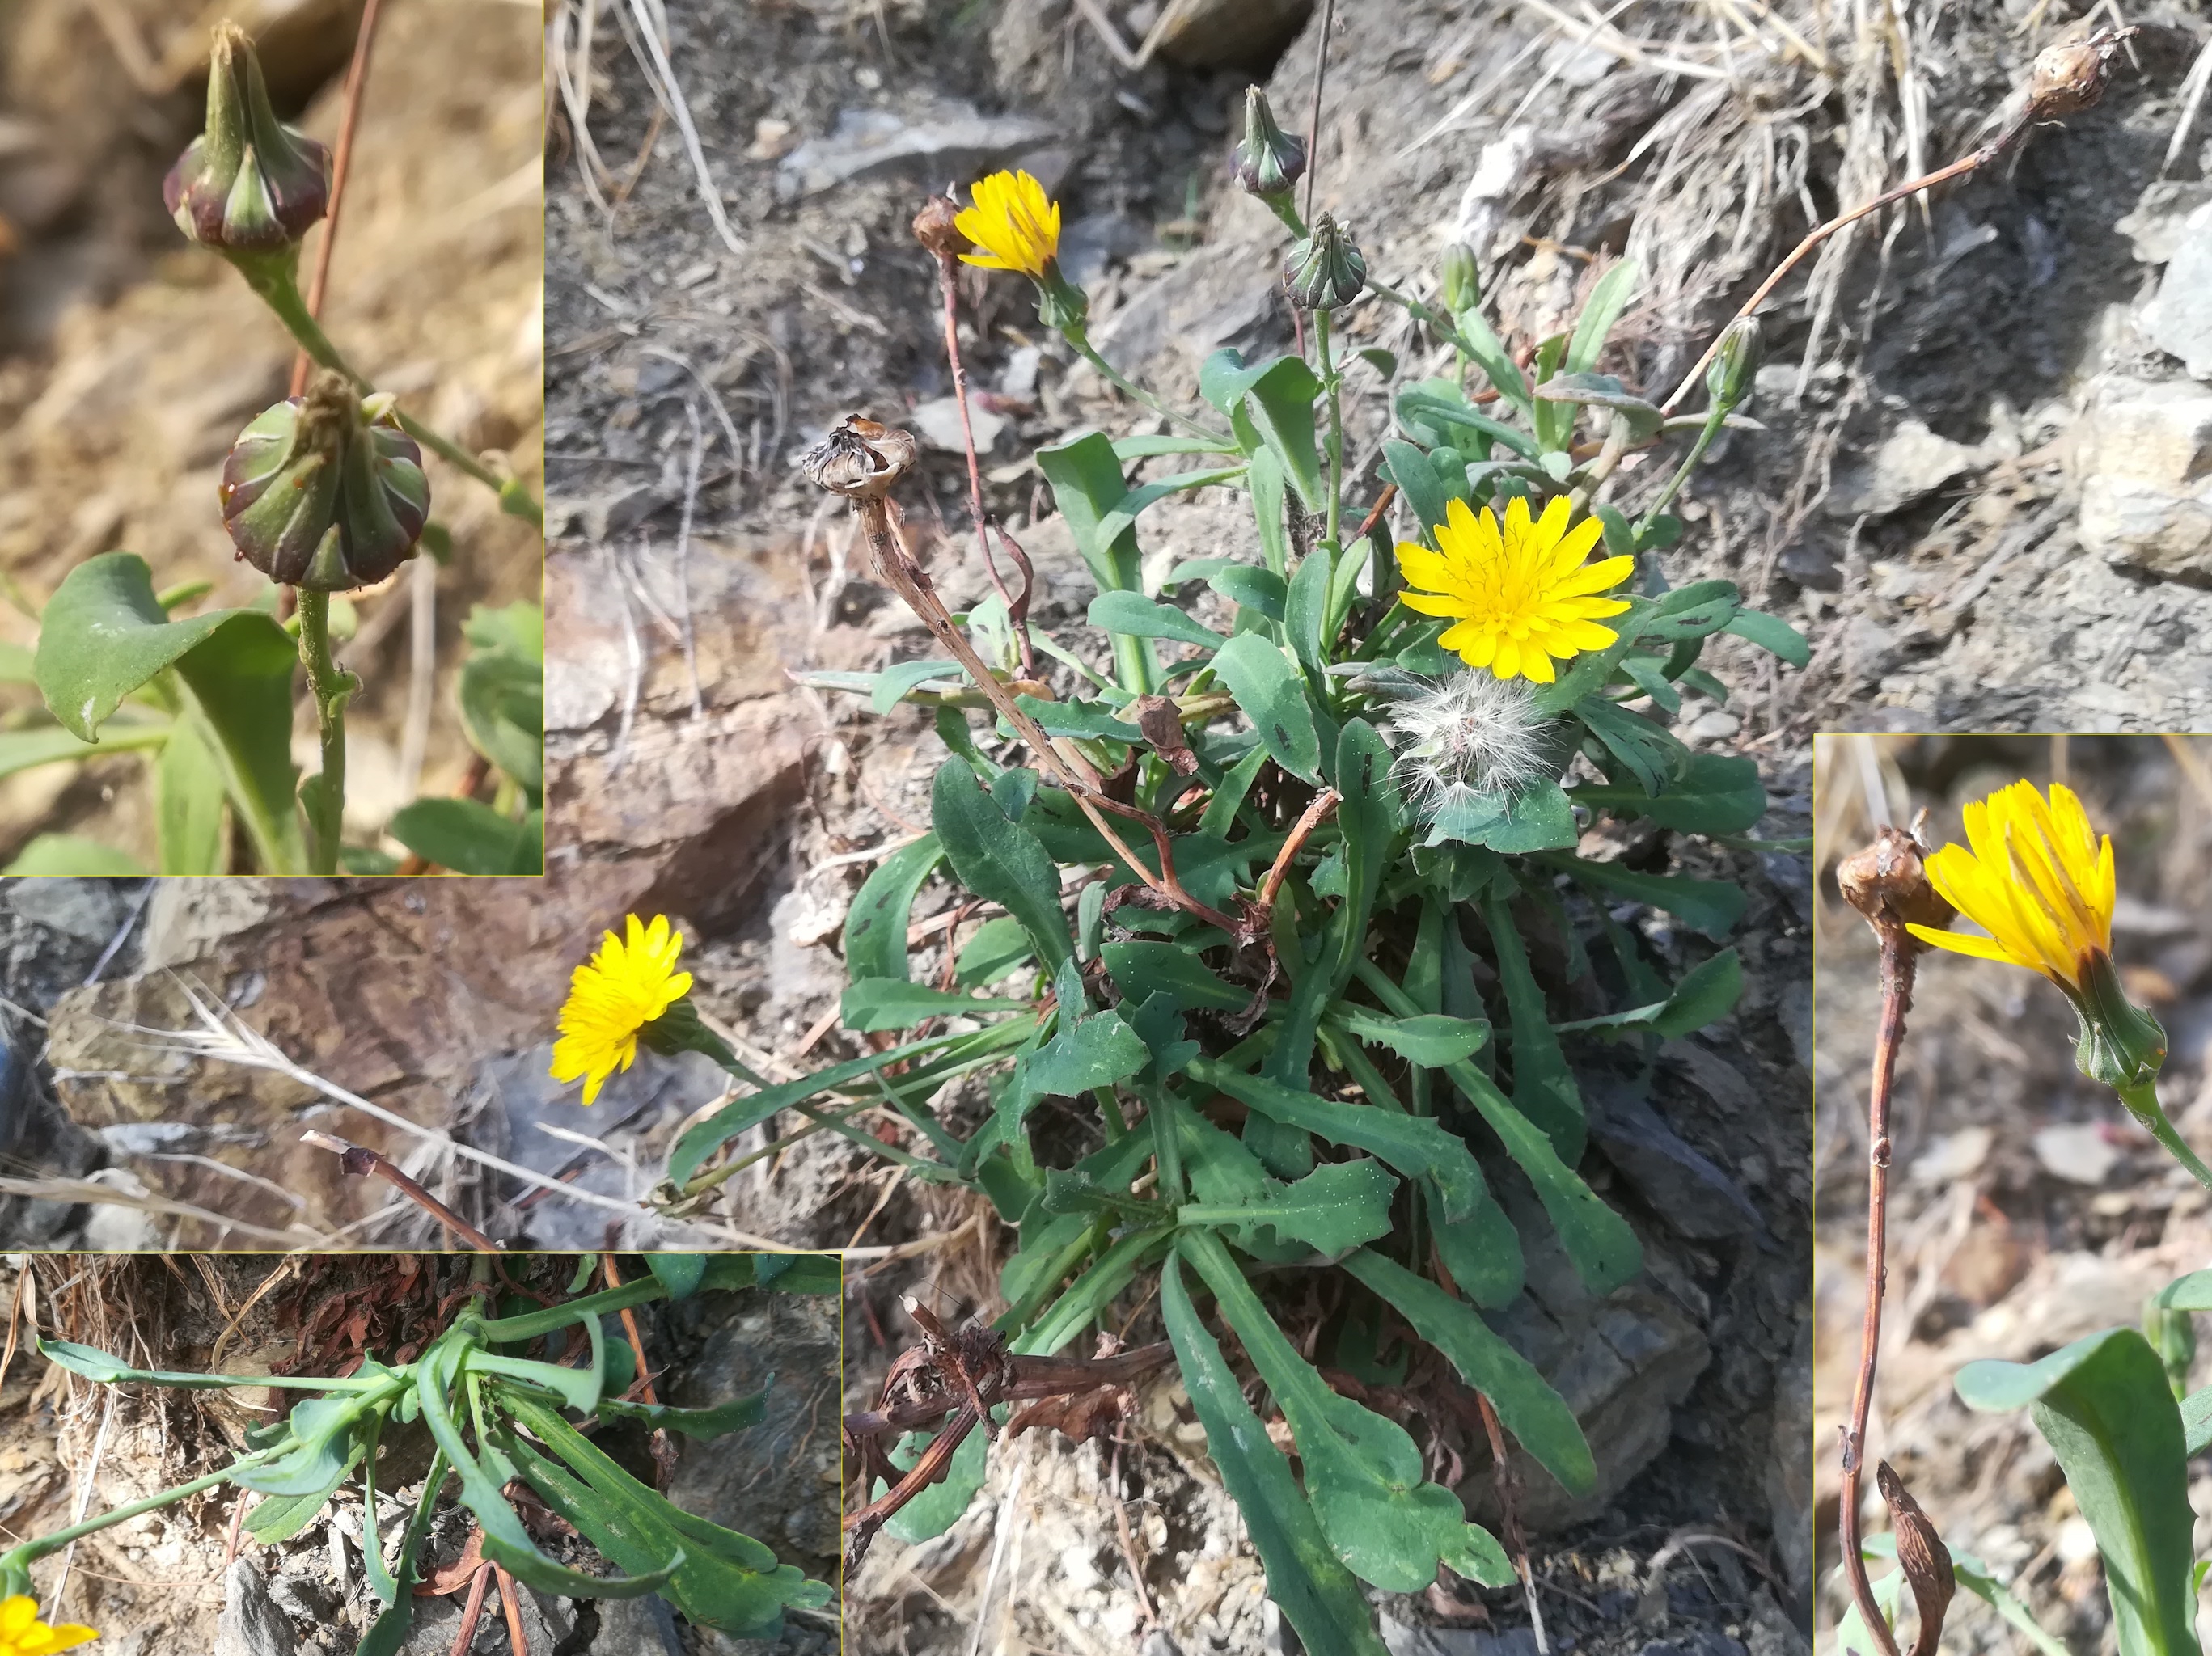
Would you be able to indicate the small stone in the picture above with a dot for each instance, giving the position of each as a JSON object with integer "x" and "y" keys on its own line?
{"x": 1911, "y": 464}
{"x": 1717, "y": 726}
{"x": 1952, "y": 1157}
{"x": 2160, "y": 215}
{"x": 251, "y": 1624}
{"x": 772, "y": 140}
{"x": 2079, "y": 1152}
{"x": 2144, "y": 462}
{"x": 936, "y": 423}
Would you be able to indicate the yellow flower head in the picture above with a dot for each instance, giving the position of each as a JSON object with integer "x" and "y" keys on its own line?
{"x": 628, "y": 983}
{"x": 22, "y": 1634}
{"x": 1523, "y": 596}
{"x": 2038, "y": 879}
{"x": 1013, "y": 224}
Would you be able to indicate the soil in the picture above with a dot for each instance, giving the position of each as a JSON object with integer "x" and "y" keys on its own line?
{"x": 160, "y": 1582}
{"x": 692, "y": 573}
{"x": 130, "y": 360}
{"x": 2025, "y": 1210}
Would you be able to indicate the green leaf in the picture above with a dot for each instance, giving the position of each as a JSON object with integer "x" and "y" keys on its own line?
{"x": 1259, "y": 590}
{"x": 1536, "y": 1414}
{"x": 1087, "y": 485}
{"x": 2103, "y": 1405}
{"x": 1544, "y": 1087}
{"x": 1097, "y": 1052}
{"x": 1713, "y": 906}
{"x": 938, "y": 1507}
{"x": 1317, "y": 1594}
{"x": 53, "y": 854}
{"x": 1125, "y": 514}
{"x": 104, "y": 635}
{"x": 1697, "y": 610}
{"x": 1608, "y": 299}
{"x": 1280, "y": 396}
{"x": 1000, "y": 862}
{"x": 1429, "y": 1039}
{"x": 1716, "y": 793}
{"x": 1142, "y": 969}
{"x": 876, "y": 925}
{"x": 680, "y": 1273}
{"x": 1773, "y": 634}
{"x": 21, "y": 751}
{"x": 1363, "y": 1473}
{"x": 1482, "y": 1251}
{"x": 1651, "y": 755}
{"x": 1539, "y": 818}
{"x": 1413, "y": 1144}
{"x": 1272, "y": 696}
{"x": 1126, "y": 449}
{"x": 893, "y": 682}
{"x": 1139, "y": 617}
{"x": 1602, "y": 391}
{"x": 279, "y": 1518}
{"x": 188, "y": 799}
{"x": 1265, "y": 480}
{"x": 1708, "y": 990}
{"x": 1417, "y": 481}
{"x": 871, "y": 1005}
{"x": 1305, "y": 609}
{"x": 502, "y": 689}
{"x": 998, "y": 946}
{"x": 469, "y": 837}
{"x": 720, "y": 1420}
{"x": 1337, "y": 1206}
{"x": 97, "y": 1365}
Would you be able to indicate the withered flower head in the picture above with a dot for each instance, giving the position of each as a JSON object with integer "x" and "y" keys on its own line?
{"x": 1889, "y": 884}
{"x": 248, "y": 185}
{"x": 860, "y": 458}
{"x": 2070, "y": 76}
{"x": 935, "y": 227}
{"x": 325, "y": 491}
{"x": 1267, "y": 160}
{"x": 1326, "y": 269}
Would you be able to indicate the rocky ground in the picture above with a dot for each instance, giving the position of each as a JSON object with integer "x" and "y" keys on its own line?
{"x": 2026, "y": 1211}
{"x": 129, "y": 359}
{"x": 162, "y": 1582}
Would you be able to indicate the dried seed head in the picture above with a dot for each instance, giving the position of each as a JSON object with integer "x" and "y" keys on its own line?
{"x": 1475, "y": 734}
{"x": 1922, "y": 1555}
{"x": 248, "y": 186}
{"x": 934, "y": 227}
{"x": 2071, "y": 75}
{"x": 860, "y": 458}
{"x": 325, "y": 491}
{"x": 1887, "y": 884}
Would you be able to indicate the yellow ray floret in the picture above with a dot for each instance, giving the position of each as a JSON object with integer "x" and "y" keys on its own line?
{"x": 628, "y": 983}
{"x": 1014, "y": 225}
{"x": 2035, "y": 877}
{"x": 22, "y": 1634}
{"x": 1522, "y": 595}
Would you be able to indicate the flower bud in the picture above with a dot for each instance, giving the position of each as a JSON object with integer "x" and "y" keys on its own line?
{"x": 1462, "y": 285}
{"x": 1727, "y": 381}
{"x": 1326, "y": 270}
{"x": 1267, "y": 160}
{"x": 325, "y": 491}
{"x": 248, "y": 185}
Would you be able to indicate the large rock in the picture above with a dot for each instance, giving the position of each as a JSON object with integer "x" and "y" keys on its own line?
{"x": 2144, "y": 461}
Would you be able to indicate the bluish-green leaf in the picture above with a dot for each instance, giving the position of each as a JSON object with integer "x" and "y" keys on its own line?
{"x": 1708, "y": 990}
{"x": 876, "y": 927}
{"x": 1714, "y": 793}
{"x": 1087, "y": 485}
{"x": 1135, "y": 614}
{"x": 1337, "y": 1206}
{"x": 1773, "y": 634}
{"x": 871, "y": 1005}
{"x": 1273, "y": 697}
{"x": 1429, "y": 1039}
{"x": 1000, "y": 862}
{"x": 469, "y": 837}
{"x": 1713, "y": 906}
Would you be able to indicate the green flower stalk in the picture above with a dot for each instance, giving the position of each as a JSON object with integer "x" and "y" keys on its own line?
{"x": 249, "y": 186}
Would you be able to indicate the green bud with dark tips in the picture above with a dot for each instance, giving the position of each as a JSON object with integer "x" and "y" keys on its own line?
{"x": 248, "y": 186}
{"x": 325, "y": 492}
{"x": 1267, "y": 160}
{"x": 1727, "y": 381}
{"x": 1462, "y": 285}
{"x": 1326, "y": 269}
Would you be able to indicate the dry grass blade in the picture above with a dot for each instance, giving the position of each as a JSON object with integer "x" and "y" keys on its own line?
{"x": 662, "y": 74}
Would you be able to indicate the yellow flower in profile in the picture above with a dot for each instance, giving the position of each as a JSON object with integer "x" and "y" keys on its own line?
{"x": 628, "y": 984}
{"x": 22, "y": 1634}
{"x": 1523, "y": 596}
{"x": 1013, "y": 224}
{"x": 2038, "y": 879}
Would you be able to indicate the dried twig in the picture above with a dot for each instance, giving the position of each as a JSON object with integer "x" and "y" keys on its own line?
{"x": 2067, "y": 78}
{"x": 662, "y": 75}
{"x": 1887, "y": 884}
{"x": 361, "y": 1163}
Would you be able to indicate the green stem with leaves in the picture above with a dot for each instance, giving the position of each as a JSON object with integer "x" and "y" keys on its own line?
{"x": 1114, "y": 376}
{"x": 15, "y": 1565}
{"x": 1334, "y": 380}
{"x": 324, "y": 795}
{"x": 279, "y": 290}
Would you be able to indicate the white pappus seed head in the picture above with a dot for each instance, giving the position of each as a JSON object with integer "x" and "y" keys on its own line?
{"x": 1473, "y": 734}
